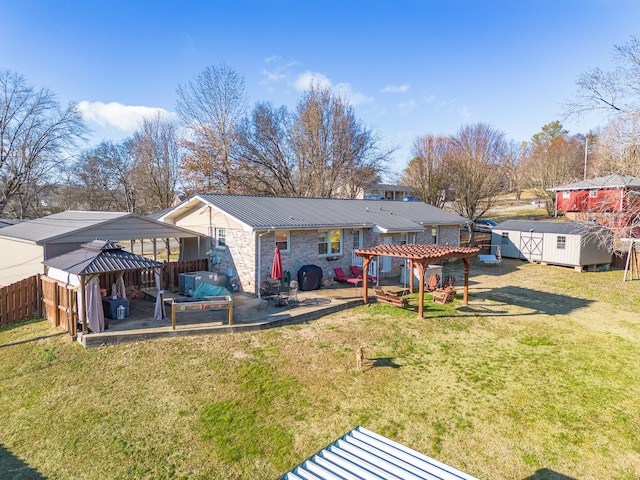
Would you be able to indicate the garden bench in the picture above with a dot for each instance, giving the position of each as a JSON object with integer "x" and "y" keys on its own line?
{"x": 389, "y": 298}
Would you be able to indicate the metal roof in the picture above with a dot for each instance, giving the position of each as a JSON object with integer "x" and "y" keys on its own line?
{"x": 58, "y": 224}
{"x": 363, "y": 454}
{"x": 608, "y": 181}
{"x": 82, "y": 226}
{"x": 264, "y": 212}
{"x": 569, "y": 228}
{"x": 99, "y": 256}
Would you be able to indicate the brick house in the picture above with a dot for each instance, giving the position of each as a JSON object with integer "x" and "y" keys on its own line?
{"x": 243, "y": 230}
{"x": 612, "y": 200}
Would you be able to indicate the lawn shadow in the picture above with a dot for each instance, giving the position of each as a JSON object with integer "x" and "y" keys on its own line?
{"x": 542, "y": 302}
{"x": 13, "y": 468}
{"x": 35, "y": 339}
{"x": 547, "y": 474}
{"x": 382, "y": 362}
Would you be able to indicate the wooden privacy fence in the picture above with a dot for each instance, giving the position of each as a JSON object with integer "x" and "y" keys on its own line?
{"x": 60, "y": 304}
{"x": 20, "y": 300}
{"x": 172, "y": 270}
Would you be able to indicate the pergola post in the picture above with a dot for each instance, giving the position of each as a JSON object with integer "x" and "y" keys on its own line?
{"x": 410, "y": 273}
{"x": 365, "y": 276}
{"x": 465, "y": 295}
{"x": 420, "y": 289}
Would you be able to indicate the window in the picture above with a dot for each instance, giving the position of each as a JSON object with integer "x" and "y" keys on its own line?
{"x": 282, "y": 240}
{"x": 221, "y": 237}
{"x": 593, "y": 193}
{"x": 330, "y": 242}
{"x": 357, "y": 239}
{"x": 434, "y": 235}
{"x": 505, "y": 238}
{"x": 561, "y": 242}
{"x": 566, "y": 194}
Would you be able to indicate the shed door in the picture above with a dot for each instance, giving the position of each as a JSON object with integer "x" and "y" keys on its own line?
{"x": 531, "y": 246}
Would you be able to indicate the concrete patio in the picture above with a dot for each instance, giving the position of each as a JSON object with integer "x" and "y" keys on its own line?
{"x": 249, "y": 313}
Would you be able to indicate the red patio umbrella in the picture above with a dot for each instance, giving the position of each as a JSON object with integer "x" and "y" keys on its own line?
{"x": 276, "y": 269}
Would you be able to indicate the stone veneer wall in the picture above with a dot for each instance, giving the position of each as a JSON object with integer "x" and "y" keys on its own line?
{"x": 239, "y": 256}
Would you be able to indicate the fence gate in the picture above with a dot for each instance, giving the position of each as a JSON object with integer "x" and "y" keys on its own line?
{"x": 60, "y": 304}
{"x": 531, "y": 246}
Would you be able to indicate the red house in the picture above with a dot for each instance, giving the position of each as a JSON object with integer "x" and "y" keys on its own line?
{"x": 613, "y": 200}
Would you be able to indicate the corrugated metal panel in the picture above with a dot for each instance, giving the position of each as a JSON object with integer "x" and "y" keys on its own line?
{"x": 294, "y": 212}
{"x": 608, "y": 181}
{"x": 57, "y": 224}
{"x": 567, "y": 228}
{"x": 363, "y": 454}
{"x": 89, "y": 260}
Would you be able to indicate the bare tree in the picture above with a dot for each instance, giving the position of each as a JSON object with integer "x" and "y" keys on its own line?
{"x": 476, "y": 166}
{"x": 104, "y": 176}
{"x": 212, "y": 106}
{"x": 35, "y": 133}
{"x": 616, "y": 92}
{"x": 264, "y": 148}
{"x": 155, "y": 171}
{"x": 554, "y": 158}
{"x": 335, "y": 153}
{"x": 616, "y": 149}
{"x": 427, "y": 173}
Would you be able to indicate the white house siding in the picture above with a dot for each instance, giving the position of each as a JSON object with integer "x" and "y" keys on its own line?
{"x": 19, "y": 260}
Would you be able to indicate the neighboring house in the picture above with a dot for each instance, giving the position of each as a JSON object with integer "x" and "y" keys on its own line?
{"x": 244, "y": 231}
{"x": 608, "y": 200}
{"x": 383, "y": 191}
{"x": 569, "y": 244}
{"x": 27, "y": 244}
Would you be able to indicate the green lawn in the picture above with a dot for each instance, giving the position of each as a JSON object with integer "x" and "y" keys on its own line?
{"x": 538, "y": 377}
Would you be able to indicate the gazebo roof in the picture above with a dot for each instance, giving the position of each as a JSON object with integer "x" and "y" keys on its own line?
{"x": 419, "y": 252}
{"x": 100, "y": 256}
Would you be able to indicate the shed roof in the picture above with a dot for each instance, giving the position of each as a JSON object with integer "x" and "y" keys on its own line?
{"x": 362, "y": 454}
{"x": 264, "y": 212}
{"x": 83, "y": 224}
{"x": 99, "y": 256}
{"x": 608, "y": 181}
{"x": 569, "y": 228}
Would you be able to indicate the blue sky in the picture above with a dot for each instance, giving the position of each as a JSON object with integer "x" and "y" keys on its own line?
{"x": 409, "y": 68}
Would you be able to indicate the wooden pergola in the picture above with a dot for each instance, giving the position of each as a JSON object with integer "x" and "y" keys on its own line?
{"x": 420, "y": 256}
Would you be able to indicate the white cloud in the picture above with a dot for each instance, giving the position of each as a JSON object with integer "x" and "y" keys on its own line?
{"x": 122, "y": 117}
{"x": 407, "y": 107}
{"x": 395, "y": 88}
{"x": 305, "y": 80}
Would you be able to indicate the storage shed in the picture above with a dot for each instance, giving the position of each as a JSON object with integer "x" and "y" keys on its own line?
{"x": 570, "y": 244}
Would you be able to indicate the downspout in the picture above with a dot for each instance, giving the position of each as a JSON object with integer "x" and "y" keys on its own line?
{"x": 260, "y": 260}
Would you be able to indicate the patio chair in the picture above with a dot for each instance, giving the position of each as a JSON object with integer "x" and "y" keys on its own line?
{"x": 448, "y": 294}
{"x": 293, "y": 291}
{"x": 341, "y": 277}
{"x": 266, "y": 297}
{"x": 450, "y": 281}
{"x": 355, "y": 271}
{"x": 434, "y": 281}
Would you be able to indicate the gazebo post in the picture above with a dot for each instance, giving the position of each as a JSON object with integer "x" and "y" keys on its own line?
{"x": 83, "y": 292}
{"x": 465, "y": 295}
